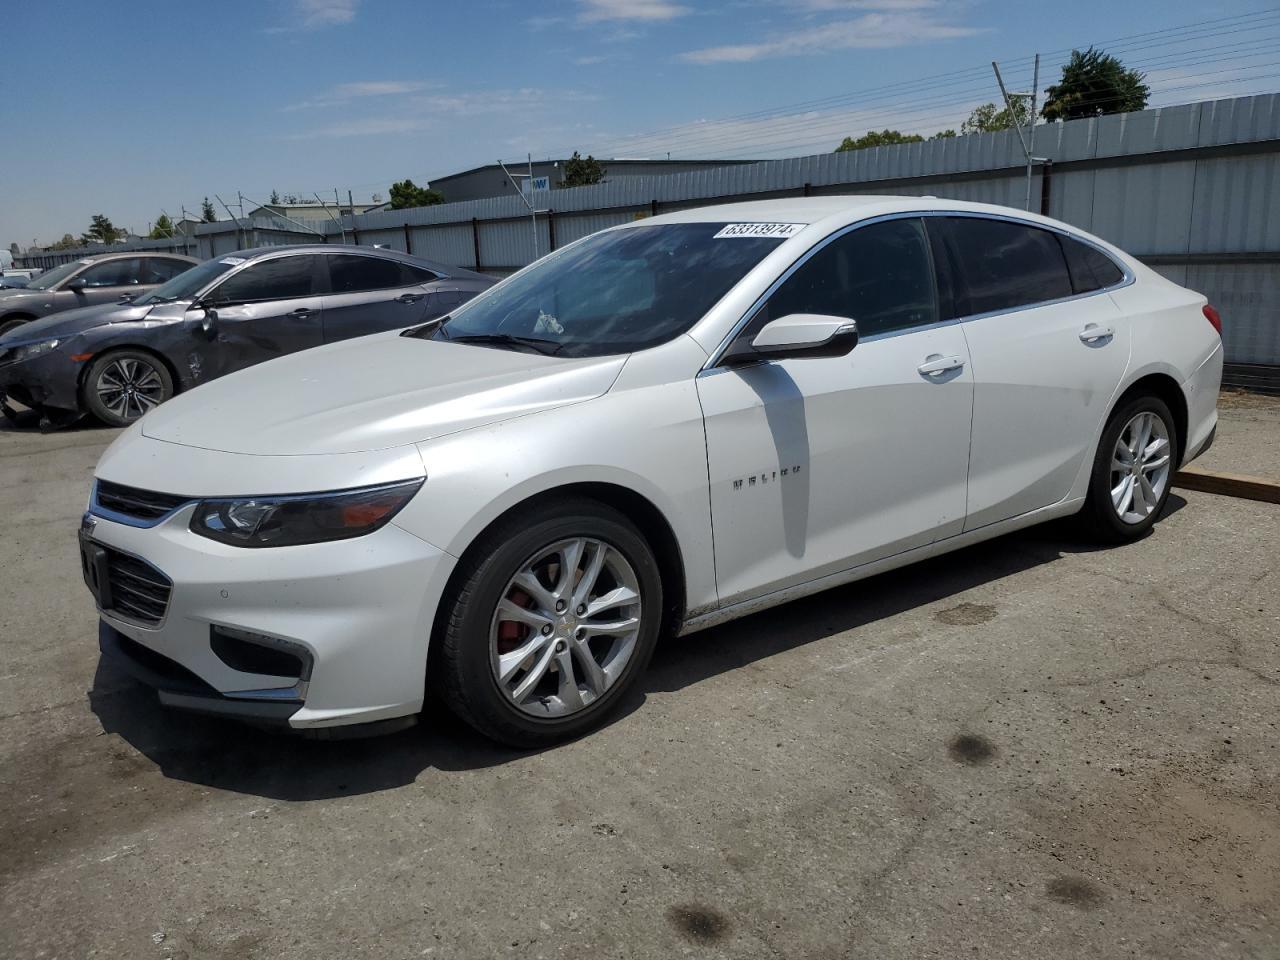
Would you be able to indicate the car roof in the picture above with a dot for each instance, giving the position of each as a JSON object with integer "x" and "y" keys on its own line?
{"x": 812, "y": 210}
{"x": 311, "y": 248}
{"x": 122, "y": 254}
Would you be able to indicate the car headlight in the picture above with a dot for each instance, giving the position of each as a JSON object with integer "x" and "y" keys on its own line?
{"x": 29, "y": 350}
{"x": 304, "y": 518}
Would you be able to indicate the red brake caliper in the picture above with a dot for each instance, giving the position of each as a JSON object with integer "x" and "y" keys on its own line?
{"x": 512, "y": 634}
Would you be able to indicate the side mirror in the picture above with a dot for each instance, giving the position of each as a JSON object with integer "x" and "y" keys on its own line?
{"x": 797, "y": 335}
{"x": 76, "y": 285}
{"x": 209, "y": 324}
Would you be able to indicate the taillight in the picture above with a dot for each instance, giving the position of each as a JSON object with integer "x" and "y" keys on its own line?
{"x": 1212, "y": 316}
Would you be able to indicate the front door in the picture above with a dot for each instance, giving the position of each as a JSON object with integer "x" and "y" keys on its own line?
{"x": 104, "y": 282}
{"x": 267, "y": 309}
{"x": 820, "y": 464}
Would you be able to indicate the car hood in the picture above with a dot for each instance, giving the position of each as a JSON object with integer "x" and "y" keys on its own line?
{"x": 373, "y": 393}
{"x": 13, "y": 296}
{"x": 70, "y": 322}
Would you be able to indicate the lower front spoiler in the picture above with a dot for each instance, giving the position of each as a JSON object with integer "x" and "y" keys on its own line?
{"x": 179, "y": 688}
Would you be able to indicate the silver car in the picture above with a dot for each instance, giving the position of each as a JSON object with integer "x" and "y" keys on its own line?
{"x": 104, "y": 278}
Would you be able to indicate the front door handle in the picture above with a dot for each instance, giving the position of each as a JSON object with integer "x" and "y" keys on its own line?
{"x": 302, "y": 312}
{"x": 1092, "y": 333}
{"x": 935, "y": 366}
{"x": 410, "y": 297}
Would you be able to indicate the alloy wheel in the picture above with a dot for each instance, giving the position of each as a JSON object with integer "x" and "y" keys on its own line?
{"x": 1141, "y": 464}
{"x": 566, "y": 627}
{"x": 129, "y": 387}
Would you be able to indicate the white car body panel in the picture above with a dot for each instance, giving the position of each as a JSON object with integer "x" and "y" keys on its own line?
{"x": 896, "y": 464}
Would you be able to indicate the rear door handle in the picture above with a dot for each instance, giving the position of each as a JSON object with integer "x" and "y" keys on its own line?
{"x": 410, "y": 297}
{"x": 302, "y": 312}
{"x": 1093, "y": 333}
{"x": 935, "y": 366}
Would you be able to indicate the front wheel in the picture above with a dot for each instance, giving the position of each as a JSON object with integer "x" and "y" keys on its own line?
{"x": 1132, "y": 471}
{"x": 8, "y": 326}
{"x": 120, "y": 386}
{"x": 550, "y": 623}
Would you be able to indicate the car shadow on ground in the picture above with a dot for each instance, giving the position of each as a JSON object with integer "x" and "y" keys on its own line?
{"x": 228, "y": 756}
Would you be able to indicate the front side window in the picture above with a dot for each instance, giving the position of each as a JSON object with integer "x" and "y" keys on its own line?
{"x": 280, "y": 278}
{"x": 112, "y": 273}
{"x": 351, "y": 273}
{"x": 189, "y": 283}
{"x": 47, "y": 279}
{"x": 615, "y": 292}
{"x": 1004, "y": 265}
{"x": 879, "y": 275}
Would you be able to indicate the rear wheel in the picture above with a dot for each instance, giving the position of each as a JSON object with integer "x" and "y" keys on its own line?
{"x": 120, "y": 386}
{"x": 550, "y": 624}
{"x": 1133, "y": 470}
{"x": 10, "y": 324}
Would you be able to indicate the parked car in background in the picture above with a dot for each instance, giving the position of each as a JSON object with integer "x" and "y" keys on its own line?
{"x": 103, "y": 278}
{"x": 14, "y": 279}
{"x": 662, "y": 426}
{"x": 119, "y": 360}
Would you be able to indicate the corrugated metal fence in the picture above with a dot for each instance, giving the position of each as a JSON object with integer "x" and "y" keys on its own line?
{"x": 1194, "y": 190}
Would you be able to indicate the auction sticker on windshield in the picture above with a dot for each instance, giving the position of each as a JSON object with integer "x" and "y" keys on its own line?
{"x": 760, "y": 230}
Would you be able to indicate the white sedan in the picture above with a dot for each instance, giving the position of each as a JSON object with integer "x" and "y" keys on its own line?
{"x": 660, "y": 427}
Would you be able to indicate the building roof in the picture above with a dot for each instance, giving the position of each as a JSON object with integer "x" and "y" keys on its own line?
{"x": 622, "y": 162}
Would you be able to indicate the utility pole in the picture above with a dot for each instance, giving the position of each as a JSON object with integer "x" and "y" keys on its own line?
{"x": 325, "y": 208}
{"x": 528, "y": 201}
{"x": 1029, "y": 138}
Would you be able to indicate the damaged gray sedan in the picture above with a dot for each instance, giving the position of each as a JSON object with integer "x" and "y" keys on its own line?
{"x": 117, "y": 361}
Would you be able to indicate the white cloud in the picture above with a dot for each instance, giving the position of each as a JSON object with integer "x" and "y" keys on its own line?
{"x": 325, "y": 13}
{"x": 346, "y": 92}
{"x": 594, "y": 11}
{"x": 869, "y": 30}
{"x": 588, "y": 61}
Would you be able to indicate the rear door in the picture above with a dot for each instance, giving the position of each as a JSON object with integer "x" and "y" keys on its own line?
{"x": 1048, "y": 350}
{"x": 369, "y": 294}
{"x": 267, "y": 309}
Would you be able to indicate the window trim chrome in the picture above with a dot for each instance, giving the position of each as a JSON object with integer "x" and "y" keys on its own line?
{"x": 714, "y": 361}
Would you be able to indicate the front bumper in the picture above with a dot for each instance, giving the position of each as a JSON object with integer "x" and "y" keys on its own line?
{"x": 361, "y": 610}
{"x": 51, "y": 380}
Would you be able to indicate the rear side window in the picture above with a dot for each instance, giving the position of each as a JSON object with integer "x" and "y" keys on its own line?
{"x": 1004, "y": 266}
{"x": 277, "y": 279}
{"x": 351, "y": 273}
{"x": 879, "y": 275}
{"x": 1090, "y": 268}
{"x": 157, "y": 270}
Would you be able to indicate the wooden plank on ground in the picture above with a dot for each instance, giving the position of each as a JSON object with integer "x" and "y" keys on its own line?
{"x": 1228, "y": 484}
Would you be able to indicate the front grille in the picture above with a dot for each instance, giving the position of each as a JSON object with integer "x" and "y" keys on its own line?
{"x": 137, "y": 590}
{"x": 139, "y": 504}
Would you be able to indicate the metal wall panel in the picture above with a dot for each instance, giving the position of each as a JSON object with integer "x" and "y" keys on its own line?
{"x": 448, "y": 243}
{"x": 1237, "y": 205}
{"x": 1248, "y": 297}
{"x": 1145, "y": 210}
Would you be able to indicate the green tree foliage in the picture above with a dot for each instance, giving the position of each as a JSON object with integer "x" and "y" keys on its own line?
{"x": 66, "y": 243}
{"x": 943, "y": 135}
{"x": 207, "y": 213}
{"x": 580, "y": 171}
{"x": 406, "y": 193}
{"x": 162, "y": 229}
{"x": 101, "y": 230}
{"x": 275, "y": 198}
{"x": 989, "y": 118}
{"x": 881, "y": 138}
{"x": 1095, "y": 83}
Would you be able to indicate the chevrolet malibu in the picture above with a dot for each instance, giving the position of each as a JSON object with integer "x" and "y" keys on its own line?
{"x": 660, "y": 427}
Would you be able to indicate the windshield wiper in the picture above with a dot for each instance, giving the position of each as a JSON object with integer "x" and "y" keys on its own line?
{"x": 537, "y": 345}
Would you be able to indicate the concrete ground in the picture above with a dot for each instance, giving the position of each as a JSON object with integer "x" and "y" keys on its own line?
{"x": 1027, "y": 749}
{"x": 1248, "y": 440}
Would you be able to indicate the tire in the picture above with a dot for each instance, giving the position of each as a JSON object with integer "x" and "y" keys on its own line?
{"x": 121, "y": 385}
{"x": 533, "y": 705}
{"x": 7, "y": 326}
{"x": 1105, "y": 520}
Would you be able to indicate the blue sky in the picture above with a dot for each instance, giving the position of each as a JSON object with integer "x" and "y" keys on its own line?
{"x": 132, "y": 106}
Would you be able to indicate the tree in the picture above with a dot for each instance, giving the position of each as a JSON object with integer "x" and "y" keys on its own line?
{"x": 406, "y": 193}
{"x": 872, "y": 138}
{"x": 101, "y": 230}
{"x": 943, "y": 135}
{"x": 989, "y": 118}
{"x": 207, "y": 213}
{"x": 274, "y": 199}
{"x": 580, "y": 171}
{"x": 1095, "y": 83}
{"x": 66, "y": 243}
{"x": 163, "y": 228}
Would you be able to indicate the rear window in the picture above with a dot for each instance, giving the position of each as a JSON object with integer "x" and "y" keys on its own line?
{"x": 1090, "y": 268}
{"x": 352, "y": 273}
{"x": 1004, "y": 265}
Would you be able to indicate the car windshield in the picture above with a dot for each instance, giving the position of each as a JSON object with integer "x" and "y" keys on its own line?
{"x": 187, "y": 284}
{"x": 50, "y": 277}
{"x": 616, "y": 292}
